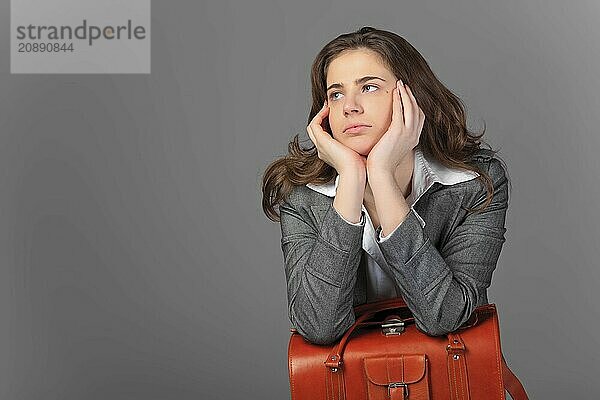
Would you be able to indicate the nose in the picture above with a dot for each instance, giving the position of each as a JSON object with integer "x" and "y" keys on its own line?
{"x": 351, "y": 105}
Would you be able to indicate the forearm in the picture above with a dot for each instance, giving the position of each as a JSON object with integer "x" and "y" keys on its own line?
{"x": 443, "y": 286}
{"x": 392, "y": 208}
{"x": 349, "y": 194}
{"x": 439, "y": 299}
{"x": 321, "y": 309}
{"x": 321, "y": 271}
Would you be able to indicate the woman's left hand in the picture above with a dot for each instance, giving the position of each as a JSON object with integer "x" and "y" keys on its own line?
{"x": 401, "y": 137}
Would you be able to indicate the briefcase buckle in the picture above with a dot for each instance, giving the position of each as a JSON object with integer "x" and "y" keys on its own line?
{"x": 392, "y": 326}
{"x": 398, "y": 384}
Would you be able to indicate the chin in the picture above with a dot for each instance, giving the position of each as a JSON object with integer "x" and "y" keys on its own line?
{"x": 362, "y": 147}
{"x": 362, "y": 150}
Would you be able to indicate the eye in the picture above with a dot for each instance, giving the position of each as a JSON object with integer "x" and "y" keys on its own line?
{"x": 332, "y": 94}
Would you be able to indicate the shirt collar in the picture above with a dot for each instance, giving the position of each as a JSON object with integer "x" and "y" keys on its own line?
{"x": 426, "y": 172}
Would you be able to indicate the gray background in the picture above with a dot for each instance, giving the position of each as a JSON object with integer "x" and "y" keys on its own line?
{"x": 137, "y": 263}
{"x": 78, "y": 55}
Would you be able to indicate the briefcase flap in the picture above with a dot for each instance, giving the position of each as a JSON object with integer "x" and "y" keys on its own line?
{"x": 407, "y": 368}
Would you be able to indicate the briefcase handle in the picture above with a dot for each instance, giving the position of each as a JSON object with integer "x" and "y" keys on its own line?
{"x": 380, "y": 305}
{"x": 364, "y": 312}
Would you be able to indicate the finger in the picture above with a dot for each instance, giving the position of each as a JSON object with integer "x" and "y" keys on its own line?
{"x": 318, "y": 118}
{"x": 416, "y": 108}
{"x": 397, "y": 109}
{"x": 406, "y": 103}
{"x": 311, "y": 135}
{"x": 421, "y": 123}
{"x": 322, "y": 112}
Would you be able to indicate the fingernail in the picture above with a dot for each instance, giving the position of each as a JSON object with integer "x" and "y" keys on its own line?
{"x": 402, "y": 83}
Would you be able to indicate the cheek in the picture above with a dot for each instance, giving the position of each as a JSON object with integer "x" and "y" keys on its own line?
{"x": 335, "y": 123}
{"x": 387, "y": 103}
{"x": 384, "y": 114}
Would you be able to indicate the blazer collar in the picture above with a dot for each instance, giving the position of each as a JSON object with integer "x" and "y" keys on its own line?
{"x": 426, "y": 172}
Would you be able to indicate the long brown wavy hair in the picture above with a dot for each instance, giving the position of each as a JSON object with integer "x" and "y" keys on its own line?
{"x": 444, "y": 136}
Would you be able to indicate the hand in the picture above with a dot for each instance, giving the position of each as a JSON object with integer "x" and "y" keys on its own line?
{"x": 331, "y": 151}
{"x": 403, "y": 134}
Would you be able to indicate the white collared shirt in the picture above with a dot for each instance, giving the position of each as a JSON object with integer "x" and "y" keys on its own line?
{"x": 425, "y": 173}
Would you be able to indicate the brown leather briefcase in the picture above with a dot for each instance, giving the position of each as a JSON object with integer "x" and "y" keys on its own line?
{"x": 384, "y": 356}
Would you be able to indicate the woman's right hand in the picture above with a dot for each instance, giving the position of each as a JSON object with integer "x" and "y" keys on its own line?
{"x": 334, "y": 153}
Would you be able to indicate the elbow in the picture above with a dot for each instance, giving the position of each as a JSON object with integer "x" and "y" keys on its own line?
{"x": 319, "y": 335}
{"x": 322, "y": 331}
{"x": 431, "y": 329}
{"x": 440, "y": 330}
{"x": 321, "y": 338}
{"x": 449, "y": 314}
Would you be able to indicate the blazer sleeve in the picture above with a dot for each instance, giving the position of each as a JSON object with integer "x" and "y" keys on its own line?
{"x": 321, "y": 264}
{"x": 443, "y": 287}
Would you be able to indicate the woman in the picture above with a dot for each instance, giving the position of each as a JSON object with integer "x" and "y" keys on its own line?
{"x": 396, "y": 198}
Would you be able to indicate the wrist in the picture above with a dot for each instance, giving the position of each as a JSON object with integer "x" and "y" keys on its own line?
{"x": 380, "y": 177}
{"x": 354, "y": 172}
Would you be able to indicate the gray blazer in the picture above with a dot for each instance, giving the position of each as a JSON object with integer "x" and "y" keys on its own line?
{"x": 443, "y": 270}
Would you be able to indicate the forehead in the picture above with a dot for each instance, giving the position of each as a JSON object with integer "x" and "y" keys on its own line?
{"x": 353, "y": 64}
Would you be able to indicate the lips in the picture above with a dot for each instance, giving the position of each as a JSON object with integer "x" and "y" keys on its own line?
{"x": 355, "y": 127}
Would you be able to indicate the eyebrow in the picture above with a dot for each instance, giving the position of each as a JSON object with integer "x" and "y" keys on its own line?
{"x": 357, "y": 82}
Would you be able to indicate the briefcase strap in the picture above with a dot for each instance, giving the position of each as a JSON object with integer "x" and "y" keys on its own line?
{"x": 512, "y": 383}
{"x": 334, "y": 379}
{"x": 457, "y": 368}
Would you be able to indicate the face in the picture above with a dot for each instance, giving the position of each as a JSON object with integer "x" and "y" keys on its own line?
{"x": 359, "y": 91}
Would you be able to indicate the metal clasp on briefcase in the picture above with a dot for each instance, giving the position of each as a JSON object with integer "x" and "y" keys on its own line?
{"x": 398, "y": 384}
{"x": 393, "y": 325}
